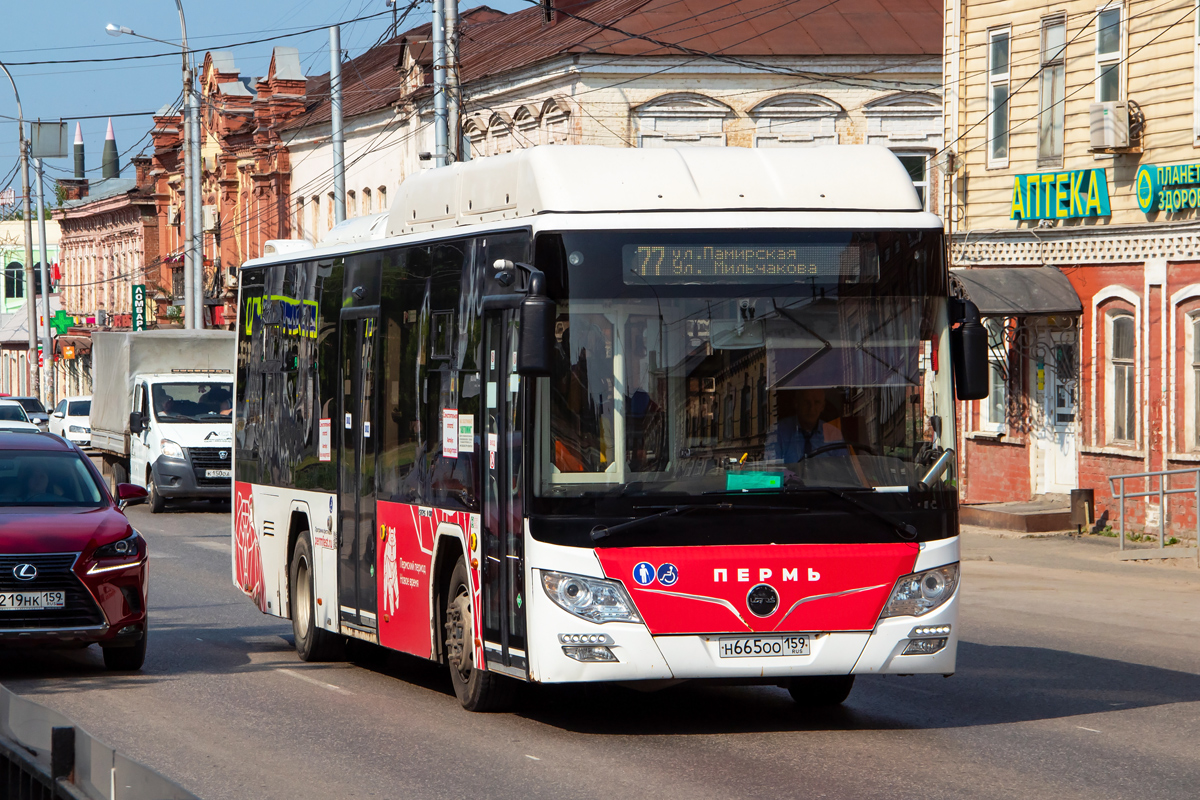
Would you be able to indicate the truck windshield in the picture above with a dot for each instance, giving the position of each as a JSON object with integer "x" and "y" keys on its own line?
{"x": 29, "y": 478}
{"x": 732, "y": 363}
{"x": 192, "y": 402}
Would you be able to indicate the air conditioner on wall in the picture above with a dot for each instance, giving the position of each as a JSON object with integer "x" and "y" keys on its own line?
{"x": 1109, "y": 125}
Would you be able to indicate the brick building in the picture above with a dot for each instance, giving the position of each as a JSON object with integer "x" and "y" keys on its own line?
{"x": 1073, "y": 130}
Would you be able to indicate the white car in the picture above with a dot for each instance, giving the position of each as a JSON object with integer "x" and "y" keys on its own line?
{"x": 14, "y": 418}
{"x": 72, "y": 420}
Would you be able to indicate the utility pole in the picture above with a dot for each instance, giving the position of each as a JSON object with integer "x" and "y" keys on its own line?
{"x": 335, "y": 124}
{"x": 439, "y": 82}
{"x": 185, "y": 213}
{"x": 48, "y": 385}
{"x": 197, "y": 210}
{"x": 453, "y": 89}
{"x": 30, "y": 363}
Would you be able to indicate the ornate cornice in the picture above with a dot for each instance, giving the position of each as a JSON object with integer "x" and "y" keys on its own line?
{"x": 1077, "y": 245}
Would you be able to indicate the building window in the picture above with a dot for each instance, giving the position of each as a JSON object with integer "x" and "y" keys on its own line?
{"x": 316, "y": 215}
{"x": 917, "y": 165}
{"x": 998, "y": 85}
{"x": 351, "y": 204}
{"x": 992, "y": 410}
{"x": 366, "y": 201}
{"x": 1051, "y": 96}
{"x": 1124, "y": 379}
{"x": 299, "y": 217}
{"x": 382, "y": 192}
{"x": 795, "y": 120}
{"x": 1196, "y": 380}
{"x": 1108, "y": 55}
{"x": 681, "y": 120}
{"x": 14, "y": 280}
{"x": 329, "y": 213}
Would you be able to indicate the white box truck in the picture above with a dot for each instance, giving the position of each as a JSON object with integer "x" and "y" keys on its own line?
{"x": 162, "y": 405}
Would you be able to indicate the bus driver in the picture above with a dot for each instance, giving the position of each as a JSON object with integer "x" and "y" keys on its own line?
{"x": 800, "y": 431}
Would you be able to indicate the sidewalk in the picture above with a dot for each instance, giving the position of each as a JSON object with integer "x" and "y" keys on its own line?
{"x": 1098, "y": 554}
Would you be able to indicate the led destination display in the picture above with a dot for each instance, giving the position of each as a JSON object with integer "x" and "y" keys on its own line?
{"x": 739, "y": 263}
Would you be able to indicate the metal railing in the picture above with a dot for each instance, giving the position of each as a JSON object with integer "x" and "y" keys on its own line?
{"x": 1162, "y": 492}
{"x": 44, "y": 756}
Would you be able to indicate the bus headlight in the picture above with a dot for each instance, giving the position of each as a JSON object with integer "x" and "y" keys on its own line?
{"x": 593, "y": 599}
{"x": 922, "y": 592}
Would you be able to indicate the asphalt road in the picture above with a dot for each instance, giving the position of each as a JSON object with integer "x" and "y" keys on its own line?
{"x": 1079, "y": 677}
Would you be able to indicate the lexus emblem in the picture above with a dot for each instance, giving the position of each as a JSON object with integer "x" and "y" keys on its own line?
{"x": 224, "y": 454}
{"x": 24, "y": 572}
{"x": 762, "y": 600}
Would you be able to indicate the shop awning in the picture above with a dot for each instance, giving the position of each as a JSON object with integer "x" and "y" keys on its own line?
{"x": 1019, "y": 291}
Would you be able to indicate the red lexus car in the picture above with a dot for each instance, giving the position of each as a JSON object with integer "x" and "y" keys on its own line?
{"x": 72, "y": 568}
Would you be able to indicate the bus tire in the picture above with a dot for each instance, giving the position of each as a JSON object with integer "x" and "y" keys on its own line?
{"x": 476, "y": 689}
{"x": 820, "y": 691}
{"x": 312, "y": 642}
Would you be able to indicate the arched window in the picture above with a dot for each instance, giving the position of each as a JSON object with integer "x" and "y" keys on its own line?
{"x": 14, "y": 280}
{"x": 351, "y": 204}
{"x": 681, "y": 120}
{"x": 795, "y": 120}
{"x": 729, "y": 434}
{"x": 714, "y": 417}
{"x": 366, "y": 200}
{"x": 1123, "y": 384}
{"x": 762, "y": 405}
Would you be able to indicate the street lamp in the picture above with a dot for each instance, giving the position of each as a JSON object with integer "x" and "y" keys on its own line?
{"x": 30, "y": 367}
{"x": 193, "y": 247}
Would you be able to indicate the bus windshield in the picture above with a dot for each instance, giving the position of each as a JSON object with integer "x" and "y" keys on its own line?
{"x": 719, "y": 362}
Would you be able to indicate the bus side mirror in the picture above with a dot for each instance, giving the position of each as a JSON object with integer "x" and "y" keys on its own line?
{"x": 535, "y": 350}
{"x": 136, "y": 423}
{"x": 969, "y": 354}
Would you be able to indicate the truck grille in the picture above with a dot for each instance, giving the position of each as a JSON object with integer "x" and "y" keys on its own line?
{"x": 206, "y": 458}
{"x": 54, "y": 574}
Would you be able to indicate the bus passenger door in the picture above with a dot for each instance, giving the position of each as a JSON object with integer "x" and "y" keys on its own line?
{"x": 356, "y": 481}
{"x": 504, "y": 591}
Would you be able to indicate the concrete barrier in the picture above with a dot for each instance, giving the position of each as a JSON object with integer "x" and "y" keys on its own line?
{"x": 46, "y": 756}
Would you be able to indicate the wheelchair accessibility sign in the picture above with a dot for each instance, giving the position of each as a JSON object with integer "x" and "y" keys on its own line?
{"x": 645, "y": 574}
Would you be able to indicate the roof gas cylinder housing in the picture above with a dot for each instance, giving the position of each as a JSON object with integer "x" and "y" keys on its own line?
{"x": 593, "y": 179}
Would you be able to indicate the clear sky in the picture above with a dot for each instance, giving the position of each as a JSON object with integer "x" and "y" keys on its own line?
{"x": 61, "y": 30}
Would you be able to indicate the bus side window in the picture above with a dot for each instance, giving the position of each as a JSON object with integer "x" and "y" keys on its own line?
{"x": 401, "y": 473}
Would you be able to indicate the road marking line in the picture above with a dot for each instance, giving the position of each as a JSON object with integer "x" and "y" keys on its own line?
{"x": 314, "y": 681}
{"x": 535, "y": 758}
{"x": 1093, "y": 730}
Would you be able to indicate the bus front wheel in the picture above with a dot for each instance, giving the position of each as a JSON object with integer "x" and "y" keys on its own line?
{"x": 820, "y": 691}
{"x": 476, "y": 689}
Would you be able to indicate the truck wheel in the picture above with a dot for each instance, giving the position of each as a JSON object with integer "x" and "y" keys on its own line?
{"x": 312, "y": 642}
{"x": 158, "y": 503}
{"x": 476, "y": 689}
{"x": 120, "y": 473}
{"x": 821, "y": 691}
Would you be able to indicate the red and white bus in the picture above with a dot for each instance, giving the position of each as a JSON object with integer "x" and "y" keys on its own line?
{"x": 586, "y": 414}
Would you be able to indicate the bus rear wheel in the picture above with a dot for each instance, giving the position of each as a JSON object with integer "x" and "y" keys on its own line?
{"x": 820, "y": 691}
{"x": 313, "y": 643}
{"x": 476, "y": 689}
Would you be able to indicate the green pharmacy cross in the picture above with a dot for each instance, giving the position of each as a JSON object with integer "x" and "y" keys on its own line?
{"x": 61, "y": 321}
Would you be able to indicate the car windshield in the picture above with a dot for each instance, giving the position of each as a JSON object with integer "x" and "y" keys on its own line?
{"x": 192, "y": 402}
{"x": 36, "y": 478}
{"x": 79, "y": 408}
{"x": 11, "y": 412}
{"x": 721, "y": 361}
{"x": 31, "y": 405}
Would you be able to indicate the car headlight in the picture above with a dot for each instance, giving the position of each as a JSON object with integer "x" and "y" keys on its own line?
{"x": 125, "y": 549}
{"x": 171, "y": 450}
{"x": 593, "y": 599}
{"x": 922, "y": 592}
{"x": 78, "y": 429}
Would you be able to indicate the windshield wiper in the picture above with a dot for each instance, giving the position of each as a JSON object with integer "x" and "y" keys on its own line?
{"x": 903, "y": 529}
{"x": 604, "y": 531}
